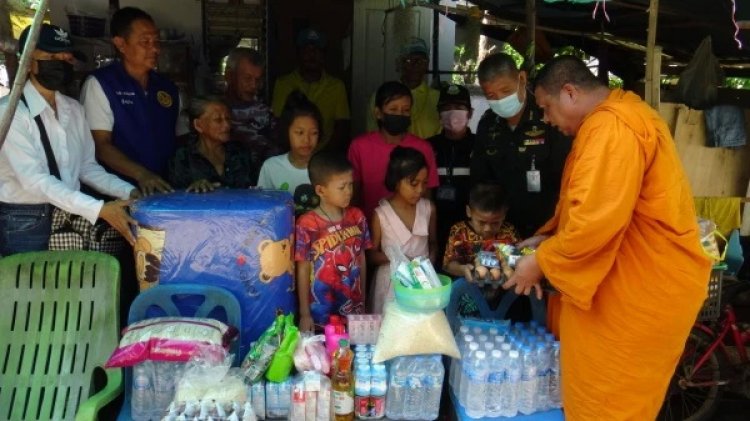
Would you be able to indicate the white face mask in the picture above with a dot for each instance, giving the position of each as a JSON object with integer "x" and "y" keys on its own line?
{"x": 508, "y": 106}
{"x": 454, "y": 121}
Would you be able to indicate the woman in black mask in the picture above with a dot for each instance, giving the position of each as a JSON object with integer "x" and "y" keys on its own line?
{"x": 369, "y": 153}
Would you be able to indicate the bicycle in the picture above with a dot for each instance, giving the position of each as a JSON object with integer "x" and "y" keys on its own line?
{"x": 714, "y": 357}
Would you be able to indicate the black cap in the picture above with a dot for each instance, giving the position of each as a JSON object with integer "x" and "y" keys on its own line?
{"x": 454, "y": 94}
{"x": 52, "y": 39}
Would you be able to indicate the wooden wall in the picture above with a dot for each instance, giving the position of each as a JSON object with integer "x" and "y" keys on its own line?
{"x": 711, "y": 171}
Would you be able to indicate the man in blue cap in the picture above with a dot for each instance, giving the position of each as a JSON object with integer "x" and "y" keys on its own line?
{"x": 133, "y": 110}
{"x": 49, "y": 152}
{"x": 325, "y": 91}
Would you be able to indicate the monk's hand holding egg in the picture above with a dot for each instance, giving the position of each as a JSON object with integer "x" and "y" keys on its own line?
{"x": 527, "y": 277}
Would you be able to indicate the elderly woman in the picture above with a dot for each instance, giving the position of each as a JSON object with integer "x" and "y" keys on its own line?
{"x": 211, "y": 159}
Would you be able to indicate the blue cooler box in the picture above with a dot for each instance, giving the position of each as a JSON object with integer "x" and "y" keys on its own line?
{"x": 241, "y": 240}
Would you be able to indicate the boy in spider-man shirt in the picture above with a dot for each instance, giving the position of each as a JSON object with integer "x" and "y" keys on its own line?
{"x": 329, "y": 246}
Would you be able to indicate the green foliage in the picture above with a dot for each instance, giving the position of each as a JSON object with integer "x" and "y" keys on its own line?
{"x": 464, "y": 64}
{"x": 509, "y": 50}
{"x": 737, "y": 83}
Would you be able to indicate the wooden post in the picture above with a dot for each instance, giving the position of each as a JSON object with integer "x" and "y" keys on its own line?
{"x": 531, "y": 33}
{"x": 653, "y": 58}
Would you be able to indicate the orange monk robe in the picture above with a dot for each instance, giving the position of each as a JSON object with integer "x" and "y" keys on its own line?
{"x": 625, "y": 256}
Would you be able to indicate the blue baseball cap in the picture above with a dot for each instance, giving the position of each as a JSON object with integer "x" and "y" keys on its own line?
{"x": 415, "y": 46}
{"x": 310, "y": 36}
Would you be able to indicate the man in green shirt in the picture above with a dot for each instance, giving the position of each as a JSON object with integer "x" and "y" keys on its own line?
{"x": 328, "y": 93}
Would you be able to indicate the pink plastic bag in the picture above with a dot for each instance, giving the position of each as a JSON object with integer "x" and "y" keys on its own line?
{"x": 171, "y": 339}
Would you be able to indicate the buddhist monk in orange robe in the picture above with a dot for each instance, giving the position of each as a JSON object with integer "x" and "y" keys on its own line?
{"x": 622, "y": 249}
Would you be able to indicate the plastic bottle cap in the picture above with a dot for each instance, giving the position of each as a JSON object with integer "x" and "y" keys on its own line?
{"x": 506, "y": 347}
{"x": 480, "y": 355}
{"x": 474, "y": 346}
{"x": 468, "y": 338}
{"x": 496, "y": 353}
{"x": 513, "y": 354}
{"x": 464, "y": 329}
{"x": 343, "y": 343}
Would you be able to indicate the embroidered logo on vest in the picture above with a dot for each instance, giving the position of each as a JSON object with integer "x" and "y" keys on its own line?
{"x": 164, "y": 99}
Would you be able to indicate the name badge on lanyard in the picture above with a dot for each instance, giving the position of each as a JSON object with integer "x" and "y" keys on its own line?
{"x": 533, "y": 178}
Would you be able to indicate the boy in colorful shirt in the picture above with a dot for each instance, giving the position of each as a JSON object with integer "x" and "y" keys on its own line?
{"x": 484, "y": 228}
{"x": 330, "y": 244}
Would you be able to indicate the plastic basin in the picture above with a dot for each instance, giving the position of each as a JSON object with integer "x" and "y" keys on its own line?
{"x": 424, "y": 300}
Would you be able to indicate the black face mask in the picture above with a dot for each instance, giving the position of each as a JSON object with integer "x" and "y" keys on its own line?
{"x": 54, "y": 75}
{"x": 396, "y": 124}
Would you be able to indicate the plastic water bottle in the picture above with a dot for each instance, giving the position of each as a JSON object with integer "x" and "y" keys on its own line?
{"x": 394, "y": 403}
{"x": 258, "y": 398}
{"x": 509, "y": 399}
{"x": 495, "y": 384}
{"x": 455, "y": 370}
{"x": 464, "y": 378}
{"x": 476, "y": 392}
{"x": 528, "y": 387}
{"x": 415, "y": 393}
{"x": 272, "y": 400}
{"x": 543, "y": 375}
{"x": 142, "y": 401}
{"x": 554, "y": 376}
{"x": 285, "y": 397}
{"x": 362, "y": 388}
{"x": 378, "y": 390}
{"x": 433, "y": 382}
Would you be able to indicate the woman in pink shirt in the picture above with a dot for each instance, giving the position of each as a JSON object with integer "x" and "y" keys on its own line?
{"x": 369, "y": 153}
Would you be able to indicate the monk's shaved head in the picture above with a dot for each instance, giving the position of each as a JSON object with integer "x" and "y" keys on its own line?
{"x": 566, "y": 69}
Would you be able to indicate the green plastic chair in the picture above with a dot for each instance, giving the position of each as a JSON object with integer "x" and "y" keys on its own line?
{"x": 58, "y": 323}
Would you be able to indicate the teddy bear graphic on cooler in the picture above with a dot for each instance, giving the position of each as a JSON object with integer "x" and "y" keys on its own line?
{"x": 147, "y": 263}
{"x": 275, "y": 260}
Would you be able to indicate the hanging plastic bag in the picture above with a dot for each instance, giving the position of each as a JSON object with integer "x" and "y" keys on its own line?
{"x": 709, "y": 243}
{"x": 699, "y": 83}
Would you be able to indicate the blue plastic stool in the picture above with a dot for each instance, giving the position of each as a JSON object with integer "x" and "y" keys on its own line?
{"x": 207, "y": 301}
{"x": 461, "y": 287}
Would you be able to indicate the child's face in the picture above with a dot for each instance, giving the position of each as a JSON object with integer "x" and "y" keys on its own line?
{"x": 337, "y": 191}
{"x": 397, "y": 106}
{"x": 412, "y": 189}
{"x": 486, "y": 223}
{"x": 303, "y": 136}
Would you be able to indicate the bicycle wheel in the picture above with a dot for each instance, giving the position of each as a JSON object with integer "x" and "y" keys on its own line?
{"x": 696, "y": 401}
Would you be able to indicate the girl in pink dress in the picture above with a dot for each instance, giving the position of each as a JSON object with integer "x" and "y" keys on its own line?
{"x": 405, "y": 219}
